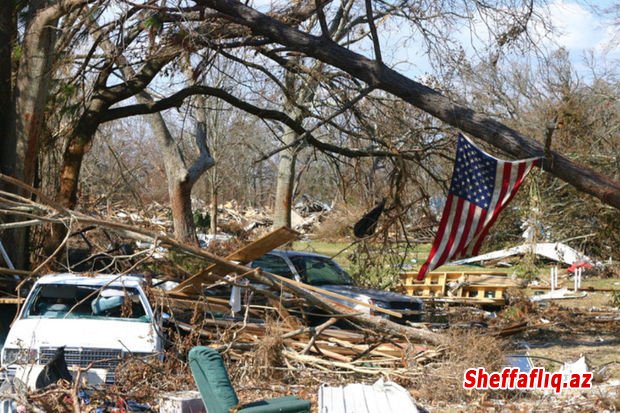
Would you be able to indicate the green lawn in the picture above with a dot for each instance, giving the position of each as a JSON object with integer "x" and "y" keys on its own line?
{"x": 418, "y": 252}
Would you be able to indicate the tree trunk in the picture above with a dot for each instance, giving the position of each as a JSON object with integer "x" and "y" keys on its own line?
{"x": 32, "y": 87}
{"x": 181, "y": 204}
{"x": 8, "y": 147}
{"x": 69, "y": 181}
{"x": 79, "y": 143}
{"x": 258, "y": 187}
{"x": 285, "y": 180}
{"x": 179, "y": 185}
{"x": 180, "y": 178}
{"x": 214, "y": 201}
{"x": 7, "y": 138}
{"x": 31, "y": 93}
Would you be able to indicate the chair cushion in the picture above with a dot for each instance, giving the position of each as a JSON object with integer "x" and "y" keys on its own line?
{"x": 212, "y": 379}
{"x": 287, "y": 404}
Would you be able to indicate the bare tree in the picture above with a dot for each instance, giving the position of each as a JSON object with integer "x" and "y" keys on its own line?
{"x": 378, "y": 75}
{"x": 8, "y": 31}
{"x": 140, "y": 48}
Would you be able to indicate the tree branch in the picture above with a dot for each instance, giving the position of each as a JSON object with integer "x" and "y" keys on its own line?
{"x": 423, "y": 97}
{"x": 177, "y": 99}
{"x": 373, "y": 31}
{"x": 322, "y": 21}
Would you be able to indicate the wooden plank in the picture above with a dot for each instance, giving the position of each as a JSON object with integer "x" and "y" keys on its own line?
{"x": 393, "y": 352}
{"x": 411, "y": 276}
{"x": 434, "y": 286}
{"x": 490, "y": 280}
{"x": 250, "y": 252}
{"x": 263, "y": 245}
{"x": 12, "y": 300}
{"x": 326, "y": 352}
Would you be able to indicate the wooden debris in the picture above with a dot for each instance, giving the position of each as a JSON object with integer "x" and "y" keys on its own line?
{"x": 471, "y": 287}
{"x": 250, "y": 252}
{"x": 371, "y": 345}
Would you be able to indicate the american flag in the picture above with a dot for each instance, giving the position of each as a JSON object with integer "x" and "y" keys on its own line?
{"x": 481, "y": 188}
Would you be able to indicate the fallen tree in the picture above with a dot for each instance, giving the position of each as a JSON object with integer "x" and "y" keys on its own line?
{"x": 49, "y": 212}
{"x": 377, "y": 75}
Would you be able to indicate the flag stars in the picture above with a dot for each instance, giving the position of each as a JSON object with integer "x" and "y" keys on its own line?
{"x": 474, "y": 175}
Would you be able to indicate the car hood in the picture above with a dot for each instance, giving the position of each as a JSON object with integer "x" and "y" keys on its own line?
{"x": 353, "y": 291}
{"x": 139, "y": 337}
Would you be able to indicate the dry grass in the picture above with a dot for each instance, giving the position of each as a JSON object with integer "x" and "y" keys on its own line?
{"x": 145, "y": 379}
{"x": 464, "y": 349}
{"x": 338, "y": 224}
{"x": 268, "y": 356}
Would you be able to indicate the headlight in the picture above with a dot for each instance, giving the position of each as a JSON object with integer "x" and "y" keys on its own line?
{"x": 19, "y": 356}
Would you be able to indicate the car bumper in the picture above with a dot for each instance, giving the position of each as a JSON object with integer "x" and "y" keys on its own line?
{"x": 29, "y": 373}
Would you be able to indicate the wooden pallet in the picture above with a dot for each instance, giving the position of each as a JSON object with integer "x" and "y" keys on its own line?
{"x": 482, "y": 287}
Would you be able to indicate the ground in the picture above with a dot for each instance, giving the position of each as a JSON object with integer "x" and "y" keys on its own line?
{"x": 558, "y": 332}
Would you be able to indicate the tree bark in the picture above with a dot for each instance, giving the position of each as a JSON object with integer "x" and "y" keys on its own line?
{"x": 8, "y": 144}
{"x": 76, "y": 148}
{"x": 32, "y": 86}
{"x": 181, "y": 179}
{"x": 181, "y": 204}
{"x": 378, "y": 75}
{"x": 284, "y": 183}
{"x": 288, "y": 157}
{"x": 214, "y": 201}
{"x": 179, "y": 185}
{"x": 7, "y": 138}
{"x": 31, "y": 94}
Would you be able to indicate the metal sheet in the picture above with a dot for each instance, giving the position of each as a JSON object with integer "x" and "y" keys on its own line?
{"x": 554, "y": 251}
{"x": 381, "y": 397}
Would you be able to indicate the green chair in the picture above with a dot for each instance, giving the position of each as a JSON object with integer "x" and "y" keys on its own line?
{"x": 218, "y": 394}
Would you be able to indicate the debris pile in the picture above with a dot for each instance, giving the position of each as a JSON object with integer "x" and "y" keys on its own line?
{"x": 265, "y": 325}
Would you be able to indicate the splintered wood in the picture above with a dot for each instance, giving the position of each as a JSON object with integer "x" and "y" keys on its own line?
{"x": 252, "y": 251}
{"x": 323, "y": 347}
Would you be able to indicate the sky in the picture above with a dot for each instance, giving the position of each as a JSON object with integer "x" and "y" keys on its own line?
{"x": 577, "y": 28}
{"x": 581, "y": 31}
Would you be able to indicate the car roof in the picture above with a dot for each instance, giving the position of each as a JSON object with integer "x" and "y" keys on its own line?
{"x": 291, "y": 253}
{"x": 115, "y": 280}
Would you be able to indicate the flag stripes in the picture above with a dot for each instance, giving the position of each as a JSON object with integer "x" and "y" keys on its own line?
{"x": 482, "y": 186}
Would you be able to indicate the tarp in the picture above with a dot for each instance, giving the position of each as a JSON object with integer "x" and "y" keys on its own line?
{"x": 553, "y": 251}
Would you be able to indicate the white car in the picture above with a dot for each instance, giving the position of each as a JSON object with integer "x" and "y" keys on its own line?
{"x": 100, "y": 321}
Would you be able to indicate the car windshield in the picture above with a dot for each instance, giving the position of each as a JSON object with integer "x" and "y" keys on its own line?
{"x": 85, "y": 301}
{"x": 320, "y": 270}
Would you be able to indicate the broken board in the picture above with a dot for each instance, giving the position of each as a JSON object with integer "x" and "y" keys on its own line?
{"x": 250, "y": 252}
